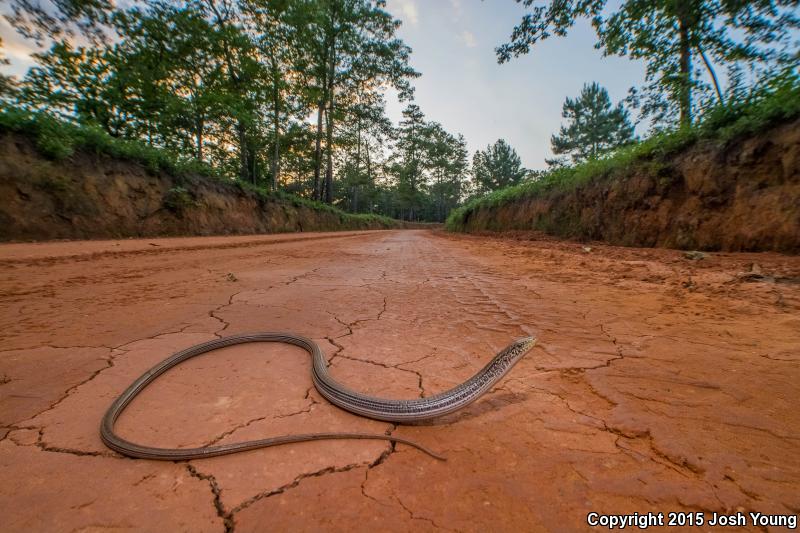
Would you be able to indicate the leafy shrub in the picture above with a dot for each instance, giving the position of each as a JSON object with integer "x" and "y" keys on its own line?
{"x": 53, "y": 141}
{"x": 178, "y": 199}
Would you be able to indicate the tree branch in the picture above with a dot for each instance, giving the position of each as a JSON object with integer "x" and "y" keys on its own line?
{"x": 712, "y": 73}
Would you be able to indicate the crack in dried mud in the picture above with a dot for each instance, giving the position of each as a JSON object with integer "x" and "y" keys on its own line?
{"x": 603, "y": 403}
{"x": 219, "y": 308}
{"x": 294, "y": 483}
{"x": 222, "y": 513}
{"x": 415, "y": 517}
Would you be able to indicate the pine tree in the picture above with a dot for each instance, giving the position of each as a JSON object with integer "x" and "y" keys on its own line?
{"x": 408, "y": 165}
{"x": 594, "y": 126}
{"x": 497, "y": 167}
{"x": 446, "y": 159}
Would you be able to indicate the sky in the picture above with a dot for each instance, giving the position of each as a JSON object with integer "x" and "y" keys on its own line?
{"x": 463, "y": 87}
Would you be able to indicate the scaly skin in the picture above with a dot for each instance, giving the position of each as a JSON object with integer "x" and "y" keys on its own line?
{"x": 355, "y": 402}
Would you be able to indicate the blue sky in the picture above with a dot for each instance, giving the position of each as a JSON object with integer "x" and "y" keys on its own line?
{"x": 463, "y": 87}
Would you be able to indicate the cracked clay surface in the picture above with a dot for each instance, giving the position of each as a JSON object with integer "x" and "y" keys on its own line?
{"x": 659, "y": 383}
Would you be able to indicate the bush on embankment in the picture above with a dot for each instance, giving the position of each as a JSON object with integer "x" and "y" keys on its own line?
{"x": 730, "y": 183}
{"x": 58, "y": 180}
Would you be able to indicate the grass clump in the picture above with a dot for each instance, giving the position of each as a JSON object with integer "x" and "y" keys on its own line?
{"x": 53, "y": 184}
{"x": 773, "y": 105}
{"x": 58, "y": 140}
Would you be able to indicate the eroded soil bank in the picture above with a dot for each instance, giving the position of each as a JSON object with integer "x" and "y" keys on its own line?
{"x": 96, "y": 196}
{"x": 659, "y": 383}
{"x": 742, "y": 195}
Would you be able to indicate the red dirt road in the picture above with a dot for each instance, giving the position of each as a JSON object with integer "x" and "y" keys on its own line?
{"x": 659, "y": 383}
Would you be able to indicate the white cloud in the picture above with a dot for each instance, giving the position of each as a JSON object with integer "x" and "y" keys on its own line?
{"x": 457, "y": 7}
{"x": 408, "y": 11}
{"x": 469, "y": 39}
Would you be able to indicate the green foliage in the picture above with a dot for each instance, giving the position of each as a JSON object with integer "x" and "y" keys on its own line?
{"x": 723, "y": 124}
{"x": 594, "y": 126}
{"x": 349, "y": 219}
{"x": 55, "y": 18}
{"x": 178, "y": 199}
{"x": 774, "y": 101}
{"x": 497, "y": 167}
{"x": 229, "y": 84}
{"x": 428, "y": 168}
{"x": 53, "y": 141}
{"x": 680, "y": 41}
{"x": 59, "y": 140}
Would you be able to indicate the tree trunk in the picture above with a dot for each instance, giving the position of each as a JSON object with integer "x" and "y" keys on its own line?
{"x": 369, "y": 164}
{"x": 237, "y": 81}
{"x": 358, "y": 147}
{"x": 199, "y": 139}
{"x": 369, "y": 177}
{"x": 244, "y": 173}
{"x": 276, "y": 165}
{"x": 329, "y": 153}
{"x": 685, "y": 94}
{"x": 318, "y": 150}
{"x": 329, "y": 125}
{"x": 440, "y": 197}
{"x": 713, "y": 75}
{"x": 253, "y": 164}
{"x": 276, "y": 150}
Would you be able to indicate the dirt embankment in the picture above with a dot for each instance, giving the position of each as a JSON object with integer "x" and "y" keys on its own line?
{"x": 95, "y": 196}
{"x": 743, "y": 195}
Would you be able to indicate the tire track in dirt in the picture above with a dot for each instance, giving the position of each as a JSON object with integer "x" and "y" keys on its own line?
{"x": 644, "y": 393}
